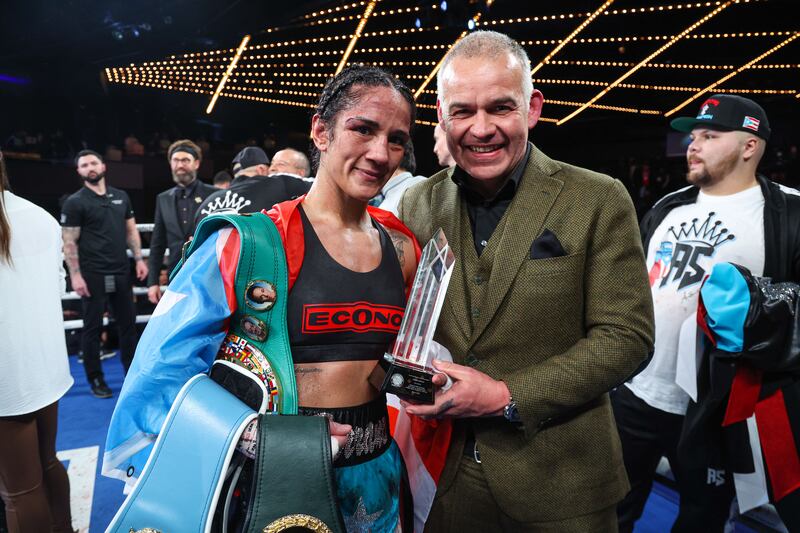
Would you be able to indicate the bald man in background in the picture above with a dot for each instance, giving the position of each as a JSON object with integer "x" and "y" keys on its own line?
{"x": 290, "y": 161}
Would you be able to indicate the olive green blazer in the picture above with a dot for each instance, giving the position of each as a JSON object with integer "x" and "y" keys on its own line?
{"x": 560, "y": 332}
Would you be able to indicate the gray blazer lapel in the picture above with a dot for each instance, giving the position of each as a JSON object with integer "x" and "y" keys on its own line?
{"x": 524, "y": 222}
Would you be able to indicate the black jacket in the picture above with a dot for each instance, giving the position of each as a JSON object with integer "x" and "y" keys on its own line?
{"x": 167, "y": 232}
{"x": 781, "y": 227}
{"x": 252, "y": 194}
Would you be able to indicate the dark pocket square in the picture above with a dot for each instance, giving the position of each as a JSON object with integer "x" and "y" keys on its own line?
{"x": 546, "y": 245}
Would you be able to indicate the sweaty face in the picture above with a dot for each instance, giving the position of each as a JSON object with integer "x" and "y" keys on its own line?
{"x": 364, "y": 145}
{"x": 712, "y": 155}
{"x": 486, "y": 117}
{"x": 184, "y": 168}
{"x": 91, "y": 169}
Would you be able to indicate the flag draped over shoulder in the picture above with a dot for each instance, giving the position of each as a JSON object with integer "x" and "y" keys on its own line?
{"x": 184, "y": 335}
{"x": 181, "y": 340}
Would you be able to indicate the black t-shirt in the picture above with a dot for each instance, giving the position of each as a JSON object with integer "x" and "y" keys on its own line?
{"x": 102, "y": 219}
{"x": 252, "y": 194}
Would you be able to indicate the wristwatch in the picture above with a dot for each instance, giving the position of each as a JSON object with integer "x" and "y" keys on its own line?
{"x": 510, "y": 412}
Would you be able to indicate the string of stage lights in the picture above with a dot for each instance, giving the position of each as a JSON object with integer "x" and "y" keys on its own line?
{"x": 188, "y": 58}
{"x": 731, "y": 74}
{"x": 133, "y": 75}
{"x": 646, "y": 60}
{"x": 478, "y": 23}
{"x": 258, "y": 69}
{"x": 207, "y": 89}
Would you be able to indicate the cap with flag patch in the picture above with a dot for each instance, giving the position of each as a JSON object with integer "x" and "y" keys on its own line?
{"x": 727, "y": 112}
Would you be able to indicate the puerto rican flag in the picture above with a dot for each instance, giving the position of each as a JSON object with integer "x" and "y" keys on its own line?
{"x": 751, "y": 123}
{"x": 182, "y": 340}
{"x": 424, "y": 445}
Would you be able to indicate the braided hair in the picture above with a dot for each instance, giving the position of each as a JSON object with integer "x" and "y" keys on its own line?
{"x": 345, "y": 90}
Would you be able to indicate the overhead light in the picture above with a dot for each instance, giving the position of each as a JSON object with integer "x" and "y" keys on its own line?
{"x": 471, "y": 24}
{"x": 418, "y": 23}
{"x": 443, "y": 5}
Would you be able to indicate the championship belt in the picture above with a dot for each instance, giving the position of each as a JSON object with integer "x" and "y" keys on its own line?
{"x": 257, "y": 345}
{"x": 293, "y": 484}
{"x": 181, "y": 484}
{"x": 292, "y": 480}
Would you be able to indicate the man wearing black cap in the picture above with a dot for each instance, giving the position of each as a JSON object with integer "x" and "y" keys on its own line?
{"x": 175, "y": 209}
{"x": 728, "y": 213}
{"x": 252, "y": 188}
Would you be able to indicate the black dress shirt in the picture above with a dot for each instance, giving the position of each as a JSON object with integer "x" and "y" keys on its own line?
{"x": 185, "y": 203}
{"x": 485, "y": 213}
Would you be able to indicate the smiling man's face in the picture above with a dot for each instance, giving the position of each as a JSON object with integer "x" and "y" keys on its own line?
{"x": 486, "y": 116}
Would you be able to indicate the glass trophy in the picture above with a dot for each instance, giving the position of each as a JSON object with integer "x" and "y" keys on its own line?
{"x": 409, "y": 373}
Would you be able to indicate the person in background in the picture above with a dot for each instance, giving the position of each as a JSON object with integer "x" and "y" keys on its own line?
{"x": 97, "y": 223}
{"x": 222, "y": 180}
{"x": 252, "y": 189}
{"x": 728, "y": 213}
{"x": 34, "y": 369}
{"x": 402, "y": 179}
{"x": 440, "y": 148}
{"x": 290, "y": 161}
{"x": 173, "y": 222}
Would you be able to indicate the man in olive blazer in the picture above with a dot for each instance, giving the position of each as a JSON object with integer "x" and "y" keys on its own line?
{"x": 548, "y": 309}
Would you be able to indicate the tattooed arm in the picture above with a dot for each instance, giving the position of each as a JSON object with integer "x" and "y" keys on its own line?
{"x": 70, "y": 235}
{"x": 135, "y": 245}
{"x": 405, "y": 253}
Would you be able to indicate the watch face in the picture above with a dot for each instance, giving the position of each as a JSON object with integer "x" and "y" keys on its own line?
{"x": 511, "y": 413}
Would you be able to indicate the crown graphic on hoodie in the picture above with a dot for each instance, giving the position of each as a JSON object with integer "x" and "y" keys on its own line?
{"x": 707, "y": 232}
{"x": 230, "y": 203}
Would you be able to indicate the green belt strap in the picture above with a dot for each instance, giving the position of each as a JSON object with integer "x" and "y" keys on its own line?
{"x": 261, "y": 258}
{"x": 293, "y": 482}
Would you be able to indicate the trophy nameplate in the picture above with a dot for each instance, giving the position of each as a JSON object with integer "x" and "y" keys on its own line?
{"x": 409, "y": 370}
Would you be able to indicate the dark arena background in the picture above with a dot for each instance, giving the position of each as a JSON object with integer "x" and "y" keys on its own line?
{"x": 126, "y": 78}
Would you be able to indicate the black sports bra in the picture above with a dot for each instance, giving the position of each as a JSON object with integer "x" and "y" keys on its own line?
{"x": 336, "y": 314}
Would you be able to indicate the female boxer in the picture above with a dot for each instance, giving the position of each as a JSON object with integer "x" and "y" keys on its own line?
{"x": 350, "y": 267}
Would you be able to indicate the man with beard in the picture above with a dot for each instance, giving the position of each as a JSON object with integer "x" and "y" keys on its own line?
{"x": 175, "y": 210}
{"x": 97, "y": 222}
{"x": 728, "y": 213}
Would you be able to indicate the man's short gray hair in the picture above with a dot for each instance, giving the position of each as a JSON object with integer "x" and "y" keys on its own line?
{"x": 301, "y": 161}
{"x": 488, "y": 45}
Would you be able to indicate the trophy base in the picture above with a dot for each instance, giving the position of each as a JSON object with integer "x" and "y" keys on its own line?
{"x": 409, "y": 383}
